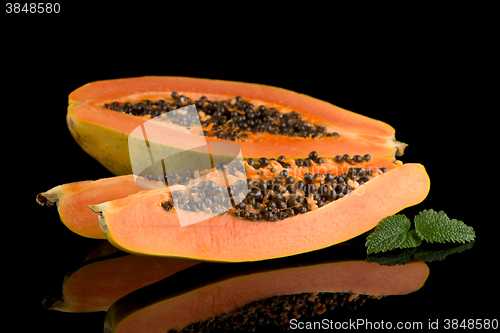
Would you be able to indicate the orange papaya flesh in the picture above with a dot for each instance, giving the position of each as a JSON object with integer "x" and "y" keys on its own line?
{"x": 104, "y": 133}
{"x": 207, "y": 296}
{"x": 99, "y": 283}
{"x": 140, "y": 224}
{"x": 73, "y": 199}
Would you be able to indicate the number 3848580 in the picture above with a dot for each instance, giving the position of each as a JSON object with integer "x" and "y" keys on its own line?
{"x": 32, "y": 8}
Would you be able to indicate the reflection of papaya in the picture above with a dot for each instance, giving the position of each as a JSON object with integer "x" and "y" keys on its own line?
{"x": 101, "y": 281}
{"x": 228, "y": 296}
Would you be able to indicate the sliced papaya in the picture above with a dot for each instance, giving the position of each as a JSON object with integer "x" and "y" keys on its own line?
{"x": 309, "y": 213}
{"x": 262, "y": 120}
{"x": 73, "y": 199}
{"x": 213, "y": 297}
{"x": 100, "y": 282}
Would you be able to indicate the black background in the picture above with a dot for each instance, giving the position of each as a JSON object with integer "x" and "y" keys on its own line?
{"x": 420, "y": 76}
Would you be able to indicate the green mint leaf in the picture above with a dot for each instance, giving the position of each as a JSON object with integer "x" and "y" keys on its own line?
{"x": 434, "y": 226}
{"x": 391, "y": 232}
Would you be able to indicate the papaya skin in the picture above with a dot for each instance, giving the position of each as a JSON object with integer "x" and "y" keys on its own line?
{"x": 138, "y": 224}
{"x": 104, "y": 133}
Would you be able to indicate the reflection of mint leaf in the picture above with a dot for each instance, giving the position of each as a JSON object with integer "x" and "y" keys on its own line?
{"x": 397, "y": 259}
{"x": 434, "y": 226}
{"x": 392, "y": 232}
{"x": 418, "y": 253}
{"x": 433, "y": 255}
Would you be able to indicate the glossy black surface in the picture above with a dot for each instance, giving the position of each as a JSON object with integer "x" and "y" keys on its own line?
{"x": 410, "y": 84}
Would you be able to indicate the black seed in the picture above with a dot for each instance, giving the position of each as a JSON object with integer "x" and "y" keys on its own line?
{"x": 165, "y": 205}
{"x": 320, "y": 160}
{"x": 262, "y": 186}
{"x": 357, "y": 158}
{"x": 346, "y": 158}
{"x": 208, "y": 202}
{"x": 329, "y": 177}
{"x": 340, "y": 188}
{"x": 257, "y": 194}
{"x": 268, "y": 216}
{"x": 338, "y": 158}
{"x": 299, "y": 162}
{"x": 332, "y": 195}
{"x": 313, "y": 155}
{"x": 299, "y": 185}
{"x": 280, "y": 204}
{"x": 271, "y": 205}
{"x": 183, "y": 180}
{"x": 277, "y": 196}
{"x": 174, "y": 95}
{"x": 289, "y": 180}
{"x": 366, "y": 157}
{"x": 383, "y": 169}
{"x": 282, "y": 215}
{"x": 302, "y": 210}
{"x": 277, "y": 188}
{"x": 263, "y": 161}
{"x": 308, "y": 177}
{"x": 216, "y": 209}
{"x": 323, "y": 190}
{"x": 250, "y": 201}
{"x": 318, "y": 176}
{"x": 211, "y": 185}
{"x": 219, "y": 190}
{"x": 284, "y": 173}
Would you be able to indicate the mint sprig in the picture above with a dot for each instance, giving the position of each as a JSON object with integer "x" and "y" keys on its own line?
{"x": 430, "y": 226}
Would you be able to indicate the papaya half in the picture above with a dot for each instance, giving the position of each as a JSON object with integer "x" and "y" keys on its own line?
{"x": 273, "y": 220}
{"x": 213, "y": 297}
{"x": 73, "y": 199}
{"x": 105, "y": 118}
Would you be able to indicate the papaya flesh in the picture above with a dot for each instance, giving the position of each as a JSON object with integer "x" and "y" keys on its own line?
{"x": 73, "y": 199}
{"x": 104, "y": 133}
{"x": 210, "y": 296}
{"x": 140, "y": 224}
{"x": 100, "y": 282}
